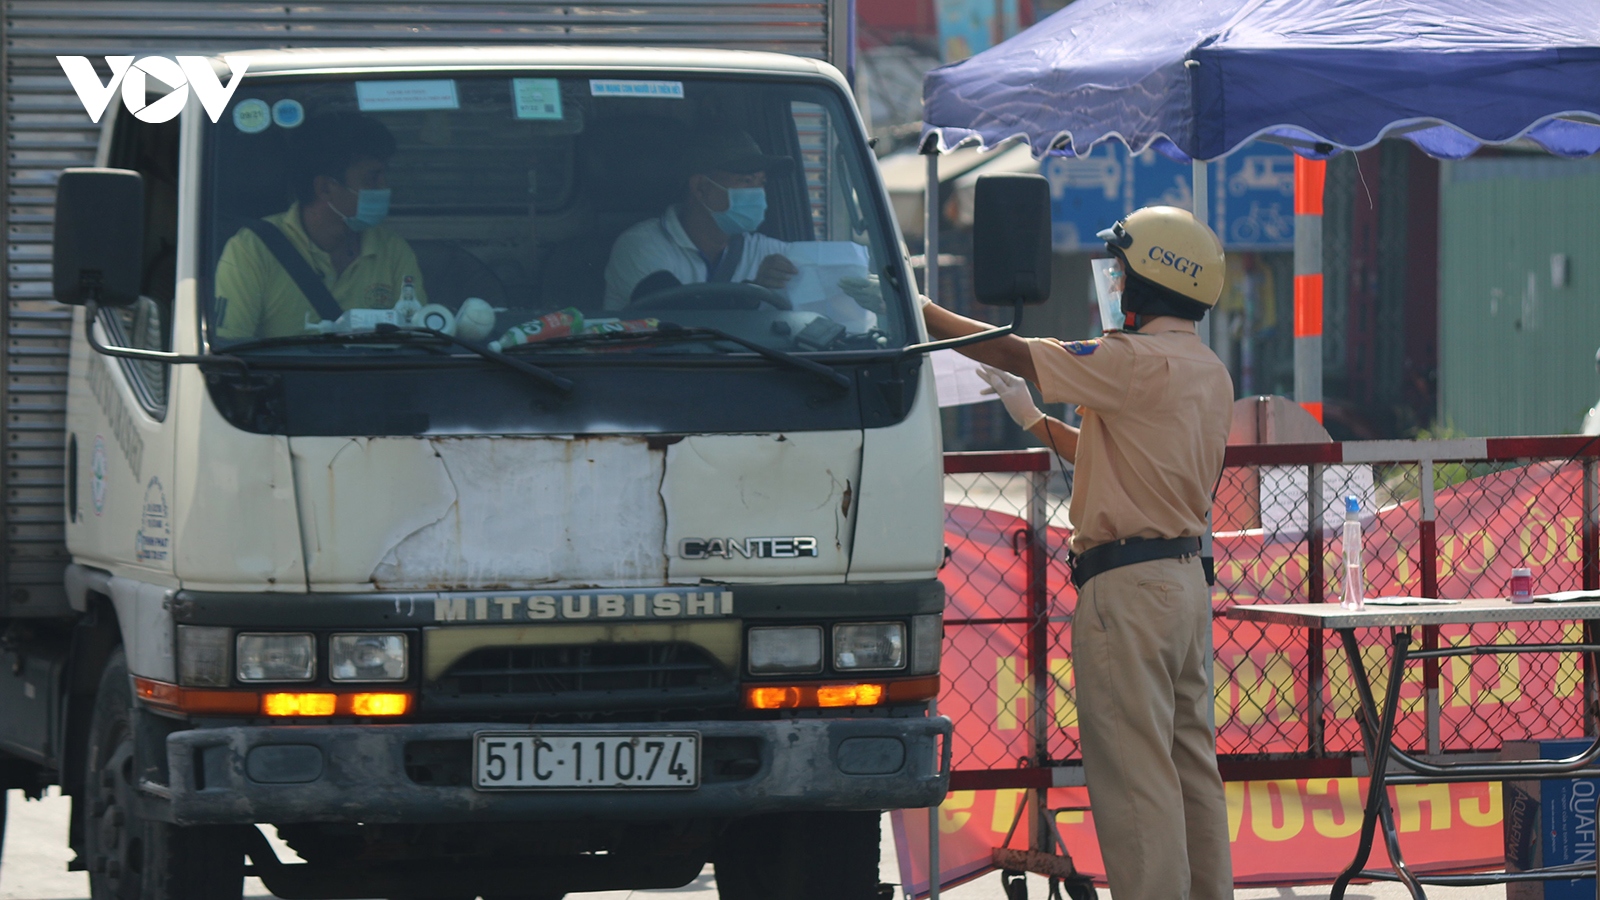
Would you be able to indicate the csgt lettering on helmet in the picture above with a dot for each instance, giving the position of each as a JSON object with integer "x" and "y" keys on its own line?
{"x": 1181, "y": 263}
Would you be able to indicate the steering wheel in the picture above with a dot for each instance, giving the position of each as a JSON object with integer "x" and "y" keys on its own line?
{"x": 711, "y": 295}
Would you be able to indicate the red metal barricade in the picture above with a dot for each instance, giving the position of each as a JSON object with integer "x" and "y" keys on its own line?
{"x": 1441, "y": 519}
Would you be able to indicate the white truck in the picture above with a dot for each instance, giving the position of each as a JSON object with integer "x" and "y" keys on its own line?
{"x": 463, "y": 612}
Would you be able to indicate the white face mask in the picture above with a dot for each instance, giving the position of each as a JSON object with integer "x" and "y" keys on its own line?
{"x": 1108, "y": 273}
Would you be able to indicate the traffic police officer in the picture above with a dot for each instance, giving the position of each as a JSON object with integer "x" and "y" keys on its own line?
{"x": 1156, "y": 406}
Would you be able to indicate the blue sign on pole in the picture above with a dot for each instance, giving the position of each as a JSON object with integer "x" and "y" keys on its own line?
{"x": 1087, "y": 194}
{"x": 1252, "y": 192}
{"x": 1158, "y": 181}
{"x": 1254, "y": 205}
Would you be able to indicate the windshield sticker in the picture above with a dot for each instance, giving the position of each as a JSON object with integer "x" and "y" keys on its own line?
{"x": 97, "y": 475}
{"x": 536, "y": 98}
{"x": 659, "y": 90}
{"x": 155, "y": 530}
{"x": 393, "y": 96}
{"x": 252, "y": 116}
{"x": 288, "y": 114}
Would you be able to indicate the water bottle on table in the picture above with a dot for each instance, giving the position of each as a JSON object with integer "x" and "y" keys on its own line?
{"x": 1354, "y": 586}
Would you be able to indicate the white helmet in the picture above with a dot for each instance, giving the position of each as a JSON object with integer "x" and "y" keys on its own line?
{"x": 1169, "y": 249}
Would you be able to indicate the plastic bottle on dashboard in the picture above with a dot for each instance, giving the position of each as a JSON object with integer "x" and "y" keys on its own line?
{"x": 408, "y": 307}
{"x": 1354, "y": 585}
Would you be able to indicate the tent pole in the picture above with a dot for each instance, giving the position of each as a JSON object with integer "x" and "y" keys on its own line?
{"x": 930, "y": 230}
{"x": 930, "y": 287}
{"x": 1201, "y": 194}
{"x": 1309, "y": 175}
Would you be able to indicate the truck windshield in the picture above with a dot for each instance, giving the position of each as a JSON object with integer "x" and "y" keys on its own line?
{"x": 526, "y": 212}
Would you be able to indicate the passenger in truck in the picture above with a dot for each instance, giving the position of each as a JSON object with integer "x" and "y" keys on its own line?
{"x": 328, "y": 252}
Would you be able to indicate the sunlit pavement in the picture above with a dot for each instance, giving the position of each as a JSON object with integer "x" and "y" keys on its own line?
{"x": 34, "y": 867}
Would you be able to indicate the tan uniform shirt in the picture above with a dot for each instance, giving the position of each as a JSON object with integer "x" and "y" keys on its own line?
{"x": 256, "y": 298}
{"x": 1157, "y": 407}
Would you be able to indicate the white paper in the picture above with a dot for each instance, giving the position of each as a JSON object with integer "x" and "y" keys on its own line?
{"x": 1408, "y": 601}
{"x": 822, "y": 265}
{"x": 1284, "y": 496}
{"x": 957, "y": 379}
{"x": 1566, "y": 597}
{"x": 387, "y": 96}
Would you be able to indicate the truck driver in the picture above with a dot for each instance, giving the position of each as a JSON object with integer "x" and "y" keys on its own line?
{"x": 710, "y": 234}
{"x": 328, "y": 251}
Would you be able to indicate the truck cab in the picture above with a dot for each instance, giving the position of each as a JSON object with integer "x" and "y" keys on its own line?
{"x": 515, "y": 574}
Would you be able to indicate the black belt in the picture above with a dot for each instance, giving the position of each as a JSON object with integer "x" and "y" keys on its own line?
{"x": 1117, "y": 554}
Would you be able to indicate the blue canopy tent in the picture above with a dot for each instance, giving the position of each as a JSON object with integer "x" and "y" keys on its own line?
{"x": 1196, "y": 79}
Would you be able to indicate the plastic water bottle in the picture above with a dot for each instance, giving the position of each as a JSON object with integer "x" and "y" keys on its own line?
{"x": 408, "y": 307}
{"x": 1354, "y": 585}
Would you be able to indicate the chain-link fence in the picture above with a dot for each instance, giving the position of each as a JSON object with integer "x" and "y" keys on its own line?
{"x": 1439, "y": 519}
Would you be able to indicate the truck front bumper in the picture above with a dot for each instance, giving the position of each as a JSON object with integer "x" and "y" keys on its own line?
{"x": 414, "y": 773}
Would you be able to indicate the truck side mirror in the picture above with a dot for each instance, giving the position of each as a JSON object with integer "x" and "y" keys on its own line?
{"x": 1011, "y": 239}
{"x": 99, "y": 237}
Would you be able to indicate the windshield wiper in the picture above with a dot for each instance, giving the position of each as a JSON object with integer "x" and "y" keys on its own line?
{"x": 389, "y": 334}
{"x": 669, "y": 331}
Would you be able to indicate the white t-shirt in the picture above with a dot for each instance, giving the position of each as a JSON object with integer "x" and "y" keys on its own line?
{"x": 661, "y": 244}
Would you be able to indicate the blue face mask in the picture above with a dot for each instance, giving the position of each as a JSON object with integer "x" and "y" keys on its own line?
{"x": 747, "y": 209}
{"x": 372, "y": 207}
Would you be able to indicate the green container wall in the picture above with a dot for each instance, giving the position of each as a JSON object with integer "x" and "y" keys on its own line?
{"x": 1516, "y": 354}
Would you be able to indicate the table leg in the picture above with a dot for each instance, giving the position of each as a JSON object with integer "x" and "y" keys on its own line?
{"x": 1378, "y": 732}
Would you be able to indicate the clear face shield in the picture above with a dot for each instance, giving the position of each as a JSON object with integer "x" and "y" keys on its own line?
{"x": 1108, "y": 281}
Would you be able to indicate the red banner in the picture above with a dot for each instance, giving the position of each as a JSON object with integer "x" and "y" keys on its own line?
{"x": 1487, "y": 526}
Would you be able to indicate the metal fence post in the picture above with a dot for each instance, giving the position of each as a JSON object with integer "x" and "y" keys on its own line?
{"x": 930, "y": 268}
{"x": 1316, "y": 664}
{"x": 1591, "y": 581}
{"x": 1428, "y": 564}
{"x": 1038, "y": 590}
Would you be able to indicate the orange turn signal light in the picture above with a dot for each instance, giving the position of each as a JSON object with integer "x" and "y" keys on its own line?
{"x": 813, "y": 696}
{"x": 194, "y": 700}
{"x": 395, "y": 704}
{"x": 279, "y": 704}
{"x": 299, "y": 704}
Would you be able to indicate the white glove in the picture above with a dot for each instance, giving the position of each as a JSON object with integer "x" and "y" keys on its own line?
{"x": 864, "y": 291}
{"x": 1014, "y": 394}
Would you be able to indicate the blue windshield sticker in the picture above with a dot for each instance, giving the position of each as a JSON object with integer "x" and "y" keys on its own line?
{"x": 536, "y": 98}
{"x": 659, "y": 90}
{"x": 393, "y": 96}
{"x": 1080, "y": 348}
{"x": 288, "y": 113}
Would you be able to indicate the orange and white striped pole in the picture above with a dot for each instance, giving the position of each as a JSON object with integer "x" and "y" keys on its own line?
{"x": 1308, "y": 180}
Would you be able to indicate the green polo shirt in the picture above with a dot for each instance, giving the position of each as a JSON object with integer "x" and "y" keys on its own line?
{"x": 256, "y": 298}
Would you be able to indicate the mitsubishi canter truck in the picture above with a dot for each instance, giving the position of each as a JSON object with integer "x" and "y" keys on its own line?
{"x": 486, "y": 547}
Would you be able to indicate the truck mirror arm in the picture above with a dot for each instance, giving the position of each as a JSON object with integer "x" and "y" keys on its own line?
{"x": 91, "y": 313}
{"x": 977, "y": 337}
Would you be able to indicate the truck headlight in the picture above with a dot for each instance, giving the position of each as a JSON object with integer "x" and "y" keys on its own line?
{"x": 367, "y": 657}
{"x": 869, "y": 645}
{"x": 785, "y": 650}
{"x": 203, "y": 656}
{"x": 276, "y": 657}
{"x": 927, "y": 640}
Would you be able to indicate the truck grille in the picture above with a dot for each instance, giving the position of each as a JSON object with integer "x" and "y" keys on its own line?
{"x": 587, "y": 676}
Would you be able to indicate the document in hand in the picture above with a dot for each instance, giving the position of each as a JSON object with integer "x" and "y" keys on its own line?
{"x": 816, "y": 289}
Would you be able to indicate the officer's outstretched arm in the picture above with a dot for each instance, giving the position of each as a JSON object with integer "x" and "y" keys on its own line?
{"x": 1009, "y": 352}
{"x": 1058, "y": 436}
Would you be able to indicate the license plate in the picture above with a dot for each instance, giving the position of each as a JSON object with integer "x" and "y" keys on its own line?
{"x": 557, "y": 760}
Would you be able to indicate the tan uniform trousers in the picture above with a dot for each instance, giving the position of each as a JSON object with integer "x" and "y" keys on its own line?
{"x": 1139, "y": 649}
